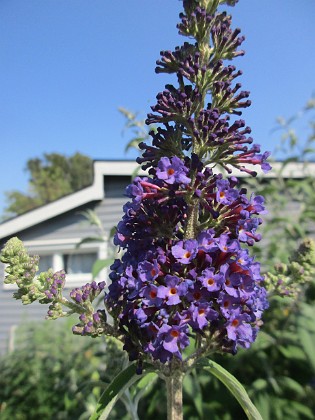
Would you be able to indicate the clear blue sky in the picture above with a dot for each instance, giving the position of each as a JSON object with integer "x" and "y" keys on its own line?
{"x": 67, "y": 65}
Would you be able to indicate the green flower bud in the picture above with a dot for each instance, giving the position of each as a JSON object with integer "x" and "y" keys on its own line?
{"x": 288, "y": 279}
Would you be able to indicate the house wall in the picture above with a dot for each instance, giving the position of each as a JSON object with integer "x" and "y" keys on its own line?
{"x": 60, "y": 233}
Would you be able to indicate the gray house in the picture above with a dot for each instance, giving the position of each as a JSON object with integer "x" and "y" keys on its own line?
{"x": 53, "y": 231}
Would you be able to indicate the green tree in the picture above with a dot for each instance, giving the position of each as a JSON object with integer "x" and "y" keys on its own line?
{"x": 52, "y": 176}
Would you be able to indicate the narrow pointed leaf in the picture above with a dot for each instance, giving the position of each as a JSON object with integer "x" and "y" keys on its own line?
{"x": 144, "y": 382}
{"x": 89, "y": 239}
{"x": 114, "y": 391}
{"x": 234, "y": 386}
{"x": 99, "y": 265}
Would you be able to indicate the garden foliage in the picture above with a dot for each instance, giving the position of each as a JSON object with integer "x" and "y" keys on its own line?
{"x": 190, "y": 289}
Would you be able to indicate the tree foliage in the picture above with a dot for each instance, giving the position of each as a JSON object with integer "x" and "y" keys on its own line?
{"x": 50, "y": 177}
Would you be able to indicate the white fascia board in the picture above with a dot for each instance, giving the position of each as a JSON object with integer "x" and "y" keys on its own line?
{"x": 290, "y": 170}
{"x": 70, "y": 202}
{"x": 50, "y": 210}
{"x": 50, "y": 245}
{"x": 118, "y": 168}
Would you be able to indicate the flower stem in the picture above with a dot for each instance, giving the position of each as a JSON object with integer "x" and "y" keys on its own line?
{"x": 192, "y": 222}
{"x": 174, "y": 390}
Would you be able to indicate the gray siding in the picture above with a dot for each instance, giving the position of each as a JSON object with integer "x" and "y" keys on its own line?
{"x": 13, "y": 313}
{"x": 68, "y": 225}
{"x": 74, "y": 225}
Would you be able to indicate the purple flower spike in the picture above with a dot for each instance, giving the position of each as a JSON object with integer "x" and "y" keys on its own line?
{"x": 186, "y": 270}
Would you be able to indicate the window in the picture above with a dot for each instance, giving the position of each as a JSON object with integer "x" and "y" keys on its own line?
{"x": 45, "y": 262}
{"x": 79, "y": 263}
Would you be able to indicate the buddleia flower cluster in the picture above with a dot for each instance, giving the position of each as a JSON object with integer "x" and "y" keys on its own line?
{"x": 186, "y": 272}
{"x": 187, "y": 228}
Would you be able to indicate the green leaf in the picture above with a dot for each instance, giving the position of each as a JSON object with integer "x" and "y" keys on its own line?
{"x": 302, "y": 409}
{"x": 115, "y": 390}
{"x": 259, "y": 384}
{"x": 99, "y": 265}
{"x": 134, "y": 143}
{"x": 193, "y": 389}
{"x": 144, "y": 382}
{"x": 292, "y": 352}
{"x": 93, "y": 219}
{"x": 263, "y": 402}
{"x": 234, "y": 386}
{"x": 307, "y": 341}
{"x": 287, "y": 383}
{"x": 89, "y": 239}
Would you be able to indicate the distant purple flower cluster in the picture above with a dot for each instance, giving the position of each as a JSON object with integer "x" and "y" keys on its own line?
{"x": 186, "y": 270}
{"x": 87, "y": 293}
{"x": 91, "y": 323}
{"x": 55, "y": 284}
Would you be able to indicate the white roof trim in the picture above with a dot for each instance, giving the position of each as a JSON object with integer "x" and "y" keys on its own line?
{"x": 96, "y": 191}
{"x": 71, "y": 201}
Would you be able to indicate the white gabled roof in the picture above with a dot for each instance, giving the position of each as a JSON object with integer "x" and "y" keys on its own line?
{"x": 71, "y": 201}
{"x": 96, "y": 191}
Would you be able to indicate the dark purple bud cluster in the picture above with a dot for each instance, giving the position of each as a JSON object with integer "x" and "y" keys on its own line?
{"x": 174, "y": 105}
{"x": 221, "y": 143}
{"x": 196, "y": 24}
{"x": 214, "y": 134}
{"x": 87, "y": 293}
{"x": 184, "y": 60}
{"x": 165, "y": 142}
{"x": 91, "y": 324}
{"x": 226, "y": 99}
{"x": 225, "y": 40}
{"x": 55, "y": 283}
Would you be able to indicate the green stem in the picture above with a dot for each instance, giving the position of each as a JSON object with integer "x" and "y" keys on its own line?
{"x": 174, "y": 391}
